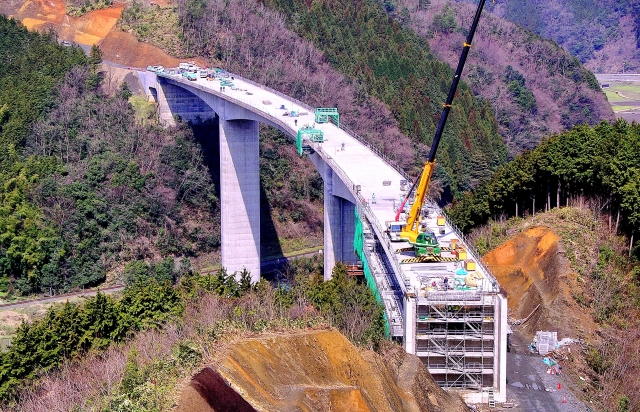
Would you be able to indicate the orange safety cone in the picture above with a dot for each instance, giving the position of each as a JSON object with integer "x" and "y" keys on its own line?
{"x": 564, "y": 399}
{"x": 559, "y": 386}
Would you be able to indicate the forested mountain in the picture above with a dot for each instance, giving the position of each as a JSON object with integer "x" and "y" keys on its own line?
{"x": 84, "y": 189}
{"x": 109, "y": 350}
{"x": 591, "y": 163}
{"x": 604, "y": 35}
{"x": 535, "y": 87}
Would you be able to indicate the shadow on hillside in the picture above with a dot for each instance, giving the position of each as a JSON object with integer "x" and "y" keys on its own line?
{"x": 213, "y": 394}
{"x": 208, "y": 135}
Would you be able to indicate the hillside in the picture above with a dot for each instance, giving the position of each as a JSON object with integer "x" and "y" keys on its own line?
{"x": 86, "y": 187}
{"x": 534, "y": 270}
{"x": 568, "y": 269}
{"x": 535, "y": 87}
{"x": 379, "y": 94}
{"x": 604, "y": 35}
{"x": 137, "y": 352}
{"x": 314, "y": 371}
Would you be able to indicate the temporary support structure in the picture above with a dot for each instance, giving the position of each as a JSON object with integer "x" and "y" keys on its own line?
{"x": 308, "y": 133}
{"x": 455, "y": 338}
{"x": 323, "y": 115}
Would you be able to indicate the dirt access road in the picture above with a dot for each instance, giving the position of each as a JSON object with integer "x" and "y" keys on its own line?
{"x": 531, "y": 388}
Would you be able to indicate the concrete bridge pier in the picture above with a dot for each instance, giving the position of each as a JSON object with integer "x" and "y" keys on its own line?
{"x": 409, "y": 319}
{"x": 339, "y": 222}
{"x": 339, "y": 230}
{"x": 240, "y": 196}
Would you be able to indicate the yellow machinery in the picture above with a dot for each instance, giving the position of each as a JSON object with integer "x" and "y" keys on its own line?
{"x": 412, "y": 227}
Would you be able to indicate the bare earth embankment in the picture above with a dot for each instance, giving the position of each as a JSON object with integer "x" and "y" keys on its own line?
{"x": 314, "y": 371}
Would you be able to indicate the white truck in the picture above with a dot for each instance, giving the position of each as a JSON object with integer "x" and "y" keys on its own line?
{"x": 394, "y": 229}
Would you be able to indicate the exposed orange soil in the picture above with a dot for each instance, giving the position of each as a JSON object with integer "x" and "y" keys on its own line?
{"x": 315, "y": 371}
{"x": 533, "y": 270}
{"x": 97, "y": 27}
{"x": 123, "y": 48}
{"x": 88, "y": 29}
{"x": 94, "y": 26}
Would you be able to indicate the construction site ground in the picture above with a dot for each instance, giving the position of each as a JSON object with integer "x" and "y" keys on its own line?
{"x": 538, "y": 279}
{"x": 531, "y": 388}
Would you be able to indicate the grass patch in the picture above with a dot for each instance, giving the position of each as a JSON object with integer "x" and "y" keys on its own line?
{"x": 155, "y": 25}
{"x": 145, "y": 110}
{"x": 294, "y": 253}
{"x": 624, "y": 108}
{"x": 298, "y": 245}
{"x": 614, "y": 98}
{"x": 628, "y": 87}
{"x": 77, "y": 10}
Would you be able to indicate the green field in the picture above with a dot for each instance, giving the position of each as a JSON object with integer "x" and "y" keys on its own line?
{"x": 623, "y": 96}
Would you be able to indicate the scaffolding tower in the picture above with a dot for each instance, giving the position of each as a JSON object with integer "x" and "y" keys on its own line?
{"x": 455, "y": 338}
{"x": 308, "y": 133}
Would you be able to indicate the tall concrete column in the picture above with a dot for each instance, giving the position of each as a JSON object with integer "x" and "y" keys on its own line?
{"x": 339, "y": 228}
{"x": 240, "y": 196}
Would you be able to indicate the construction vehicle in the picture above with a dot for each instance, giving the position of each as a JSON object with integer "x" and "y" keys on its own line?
{"x": 426, "y": 244}
{"x": 413, "y": 229}
{"x": 394, "y": 229}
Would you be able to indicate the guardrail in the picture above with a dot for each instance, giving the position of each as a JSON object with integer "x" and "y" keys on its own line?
{"x": 382, "y": 277}
{"x": 259, "y": 109}
{"x": 344, "y": 128}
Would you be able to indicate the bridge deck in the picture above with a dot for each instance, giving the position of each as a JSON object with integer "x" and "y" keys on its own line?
{"x": 373, "y": 182}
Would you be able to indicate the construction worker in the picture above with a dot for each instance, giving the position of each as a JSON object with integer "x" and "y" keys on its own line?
{"x": 342, "y": 147}
{"x": 295, "y": 122}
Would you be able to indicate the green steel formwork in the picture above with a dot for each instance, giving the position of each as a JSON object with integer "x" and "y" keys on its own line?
{"x": 323, "y": 114}
{"x": 358, "y": 245}
{"x": 309, "y": 133}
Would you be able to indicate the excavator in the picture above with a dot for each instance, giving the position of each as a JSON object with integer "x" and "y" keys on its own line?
{"x": 423, "y": 241}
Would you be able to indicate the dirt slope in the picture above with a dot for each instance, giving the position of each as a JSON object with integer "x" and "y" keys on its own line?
{"x": 123, "y": 48}
{"x": 533, "y": 270}
{"x": 88, "y": 29}
{"x": 96, "y": 27}
{"x": 315, "y": 371}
